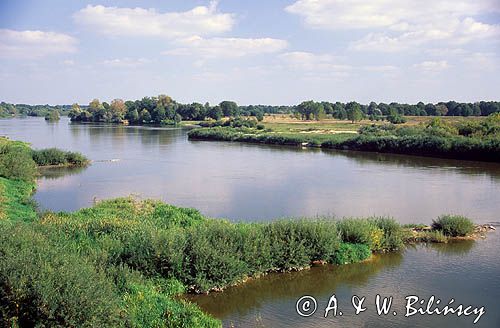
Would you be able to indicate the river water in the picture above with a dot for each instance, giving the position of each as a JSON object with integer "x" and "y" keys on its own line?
{"x": 247, "y": 182}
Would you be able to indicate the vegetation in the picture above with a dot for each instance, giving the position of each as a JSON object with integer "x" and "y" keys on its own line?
{"x": 478, "y": 140}
{"x": 453, "y": 225}
{"x": 16, "y": 160}
{"x": 54, "y": 156}
{"x": 52, "y": 116}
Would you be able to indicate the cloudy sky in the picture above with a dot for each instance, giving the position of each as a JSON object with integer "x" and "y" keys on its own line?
{"x": 267, "y": 52}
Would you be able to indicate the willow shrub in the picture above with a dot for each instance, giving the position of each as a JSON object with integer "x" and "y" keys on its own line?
{"x": 379, "y": 234}
{"x": 453, "y": 225}
{"x": 43, "y": 285}
{"x": 54, "y": 156}
{"x": 15, "y": 161}
{"x": 351, "y": 253}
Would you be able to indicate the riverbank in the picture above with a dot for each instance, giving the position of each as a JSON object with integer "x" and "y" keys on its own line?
{"x": 477, "y": 140}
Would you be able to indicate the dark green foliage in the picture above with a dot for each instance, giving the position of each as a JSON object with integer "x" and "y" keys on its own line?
{"x": 453, "y": 225}
{"x": 54, "y": 156}
{"x": 16, "y": 161}
{"x": 396, "y": 119}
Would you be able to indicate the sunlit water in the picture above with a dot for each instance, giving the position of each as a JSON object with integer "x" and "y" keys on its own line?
{"x": 255, "y": 182}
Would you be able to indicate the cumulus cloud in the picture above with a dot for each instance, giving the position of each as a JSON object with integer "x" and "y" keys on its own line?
{"x": 33, "y": 44}
{"x": 226, "y": 47}
{"x": 307, "y": 61}
{"x": 432, "y": 66}
{"x": 401, "y": 24}
{"x": 114, "y": 21}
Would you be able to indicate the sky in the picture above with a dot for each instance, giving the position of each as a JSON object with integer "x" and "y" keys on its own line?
{"x": 253, "y": 52}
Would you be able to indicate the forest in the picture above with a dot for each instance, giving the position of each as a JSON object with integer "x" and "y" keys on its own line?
{"x": 164, "y": 110}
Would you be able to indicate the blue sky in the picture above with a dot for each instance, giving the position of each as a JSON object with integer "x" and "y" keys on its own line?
{"x": 266, "y": 52}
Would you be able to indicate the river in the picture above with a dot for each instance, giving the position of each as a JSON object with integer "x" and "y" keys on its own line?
{"x": 255, "y": 182}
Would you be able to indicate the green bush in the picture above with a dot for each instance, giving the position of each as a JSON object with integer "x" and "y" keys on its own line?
{"x": 351, "y": 253}
{"x": 16, "y": 161}
{"x": 453, "y": 225}
{"x": 44, "y": 285}
{"x": 54, "y": 156}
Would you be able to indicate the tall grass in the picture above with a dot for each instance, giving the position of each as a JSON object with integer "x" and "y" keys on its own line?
{"x": 54, "y": 156}
{"x": 453, "y": 225}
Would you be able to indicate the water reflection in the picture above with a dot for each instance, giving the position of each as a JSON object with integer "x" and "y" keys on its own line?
{"x": 59, "y": 172}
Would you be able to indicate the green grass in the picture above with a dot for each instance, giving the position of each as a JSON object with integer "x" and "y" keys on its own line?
{"x": 15, "y": 200}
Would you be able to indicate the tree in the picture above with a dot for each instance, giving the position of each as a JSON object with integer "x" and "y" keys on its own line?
{"x": 215, "y": 113}
{"x": 145, "y": 116}
{"x": 441, "y": 110}
{"x": 354, "y": 113}
{"x": 229, "y": 108}
{"x": 259, "y": 116}
{"x": 133, "y": 116}
{"x": 53, "y": 115}
{"x": 117, "y": 110}
{"x": 75, "y": 112}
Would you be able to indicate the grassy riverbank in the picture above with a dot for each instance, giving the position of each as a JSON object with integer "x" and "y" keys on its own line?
{"x": 124, "y": 262}
{"x": 469, "y": 140}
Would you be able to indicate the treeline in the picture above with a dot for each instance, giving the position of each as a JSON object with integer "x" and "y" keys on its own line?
{"x": 311, "y": 110}
{"x": 164, "y": 110}
{"x": 9, "y": 110}
{"x": 158, "y": 110}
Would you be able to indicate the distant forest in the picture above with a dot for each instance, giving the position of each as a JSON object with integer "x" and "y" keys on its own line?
{"x": 164, "y": 110}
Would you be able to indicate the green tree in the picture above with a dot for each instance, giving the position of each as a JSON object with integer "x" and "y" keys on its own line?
{"x": 229, "y": 108}
{"x": 145, "y": 116}
{"x": 215, "y": 113}
{"x": 354, "y": 112}
{"x": 75, "y": 112}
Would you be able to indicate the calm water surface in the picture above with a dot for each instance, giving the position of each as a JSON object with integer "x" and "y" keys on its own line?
{"x": 255, "y": 182}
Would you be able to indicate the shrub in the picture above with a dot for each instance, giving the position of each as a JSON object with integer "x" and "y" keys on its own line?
{"x": 351, "y": 253}
{"x": 54, "y": 156}
{"x": 44, "y": 285}
{"x": 16, "y": 161}
{"x": 453, "y": 225}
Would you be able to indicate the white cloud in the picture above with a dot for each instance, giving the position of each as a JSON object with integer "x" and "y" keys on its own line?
{"x": 432, "y": 66}
{"x": 401, "y": 24}
{"x": 481, "y": 60}
{"x": 125, "y": 62}
{"x": 34, "y": 44}
{"x": 307, "y": 61}
{"x": 226, "y": 47}
{"x": 114, "y": 21}
{"x": 454, "y": 32}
